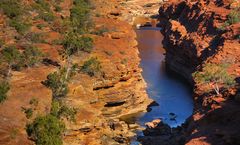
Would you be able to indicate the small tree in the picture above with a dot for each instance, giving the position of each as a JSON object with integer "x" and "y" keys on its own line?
{"x": 74, "y": 43}
{"x": 214, "y": 75}
{"x": 4, "y": 88}
{"x": 58, "y": 81}
{"x": 46, "y": 130}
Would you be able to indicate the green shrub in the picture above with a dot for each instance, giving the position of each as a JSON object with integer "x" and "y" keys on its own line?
{"x": 58, "y": 8}
{"x": 80, "y": 15}
{"x": 41, "y": 26}
{"x": 12, "y": 56}
{"x": 73, "y": 43}
{"x": 67, "y": 112}
{"x": 43, "y": 5}
{"x": 35, "y": 37}
{"x": 32, "y": 56}
{"x": 46, "y": 130}
{"x": 28, "y": 112}
{"x": 4, "y": 88}
{"x": 56, "y": 106}
{"x": 91, "y": 67}
{"x": 47, "y": 16}
{"x": 57, "y": 82}
{"x": 34, "y": 102}
{"x": 11, "y": 8}
{"x": 44, "y": 11}
{"x": 101, "y": 31}
{"x": 214, "y": 75}
{"x": 234, "y": 17}
{"x": 16, "y": 60}
{"x": 59, "y": 110}
{"x": 20, "y": 26}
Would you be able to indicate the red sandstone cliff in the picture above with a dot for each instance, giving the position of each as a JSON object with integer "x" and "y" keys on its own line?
{"x": 197, "y": 32}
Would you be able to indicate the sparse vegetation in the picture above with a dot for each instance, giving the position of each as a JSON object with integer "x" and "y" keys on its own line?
{"x": 32, "y": 56}
{"x": 59, "y": 110}
{"x": 73, "y": 43}
{"x": 28, "y": 112}
{"x": 44, "y": 11}
{"x": 124, "y": 61}
{"x": 46, "y": 130}
{"x": 20, "y": 26}
{"x": 12, "y": 57}
{"x": 58, "y": 8}
{"x": 109, "y": 53}
{"x": 16, "y": 59}
{"x": 11, "y": 8}
{"x": 57, "y": 82}
{"x": 80, "y": 16}
{"x": 47, "y": 16}
{"x": 214, "y": 75}
{"x": 33, "y": 102}
{"x": 4, "y": 88}
{"x": 101, "y": 31}
{"x": 35, "y": 37}
{"x": 234, "y": 17}
{"x": 14, "y": 132}
{"x": 91, "y": 67}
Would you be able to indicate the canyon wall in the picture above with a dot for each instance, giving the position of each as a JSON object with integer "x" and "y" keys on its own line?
{"x": 198, "y": 32}
{"x": 99, "y": 100}
{"x": 193, "y": 34}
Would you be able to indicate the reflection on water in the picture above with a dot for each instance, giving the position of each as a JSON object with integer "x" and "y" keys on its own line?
{"x": 172, "y": 94}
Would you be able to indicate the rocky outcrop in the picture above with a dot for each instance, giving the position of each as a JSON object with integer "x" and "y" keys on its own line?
{"x": 196, "y": 32}
{"x": 157, "y": 132}
{"x": 192, "y": 34}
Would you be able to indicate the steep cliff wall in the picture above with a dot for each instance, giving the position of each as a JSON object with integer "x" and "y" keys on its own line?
{"x": 194, "y": 34}
{"x": 198, "y": 32}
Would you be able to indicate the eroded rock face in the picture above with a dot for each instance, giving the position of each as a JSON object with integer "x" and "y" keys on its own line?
{"x": 157, "y": 132}
{"x": 118, "y": 91}
{"x": 193, "y": 36}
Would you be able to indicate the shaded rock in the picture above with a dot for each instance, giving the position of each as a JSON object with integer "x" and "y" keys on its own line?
{"x": 114, "y": 103}
{"x": 115, "y": 13}
{"x": 48, "y": 61}
{"x": 153, "y": 124}
{"x": 156, "y": 128}
{"x": 133, "y": 126}
{"x": 237, "y": 97}
{"x": 120, "y": 139}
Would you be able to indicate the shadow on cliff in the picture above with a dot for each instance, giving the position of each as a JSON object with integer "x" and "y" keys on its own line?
{"x": 220, "y": 126}
{"x": 213, "y": 48}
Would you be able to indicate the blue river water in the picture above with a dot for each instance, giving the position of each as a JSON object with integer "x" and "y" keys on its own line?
{"x": 172, "y": 94}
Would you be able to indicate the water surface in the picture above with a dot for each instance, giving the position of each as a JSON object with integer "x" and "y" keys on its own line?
{"x": 173, "y": 95}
